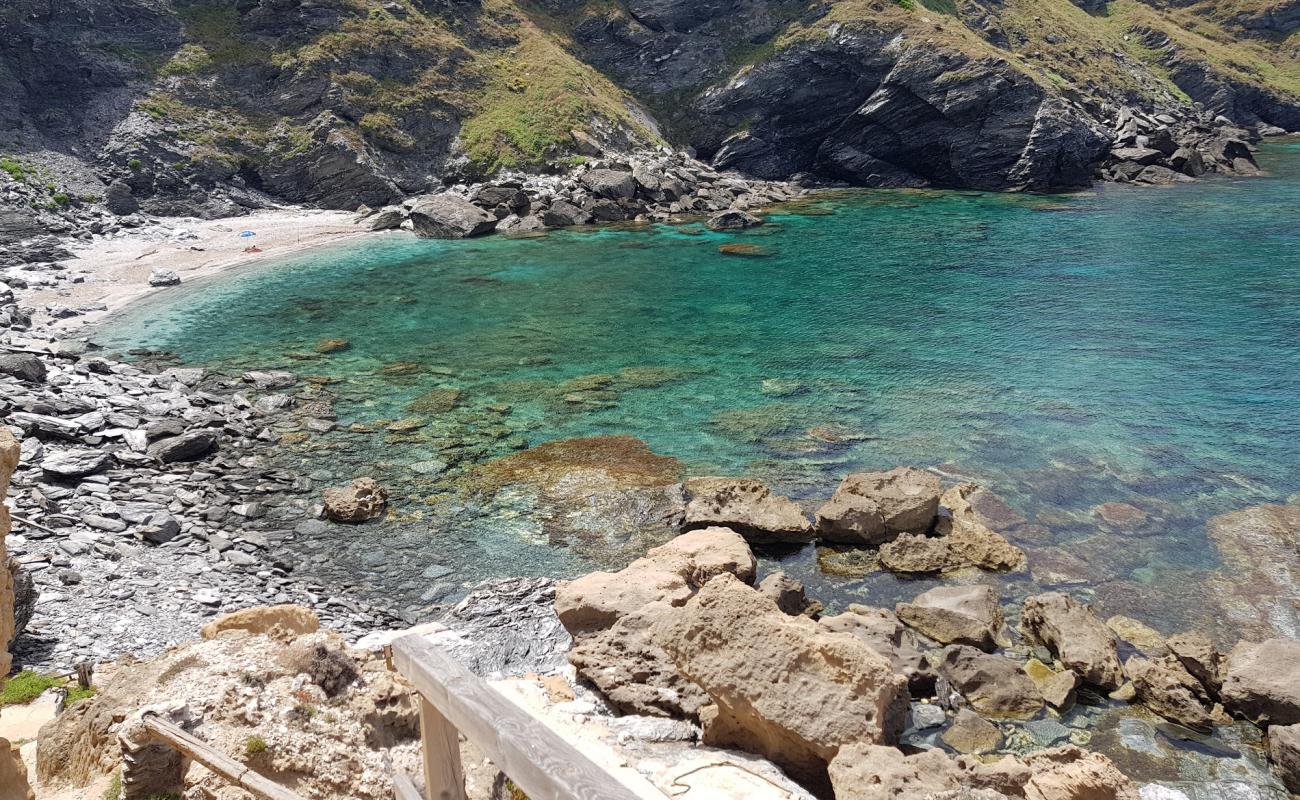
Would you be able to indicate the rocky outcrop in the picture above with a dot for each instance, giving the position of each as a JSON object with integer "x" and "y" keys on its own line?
{"x": 1262, "y": 681}
{"x": 360, "y": 500}
{"x": 1168, "y": 689}
{"x": 1284, "y": 752}
{"x": 780, "y": 686}
{"x": 881, "y": 631}
{"x": 970, "y": 533}
{"x": 967, "y": 615}
{"x": 1078, "y": 638}
{"x": 875, "y": 507}
{"x": 747, "y": 506}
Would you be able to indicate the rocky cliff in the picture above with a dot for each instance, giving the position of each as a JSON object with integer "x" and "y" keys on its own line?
{"x": 212, "y": 106}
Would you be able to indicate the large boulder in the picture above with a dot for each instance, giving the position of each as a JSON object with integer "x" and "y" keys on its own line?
{"x": 449, "y": 216}
{"x": 782, "y": 687}
{"x": 669, "y": 574}
{"x": 611, "y": 184}
{"x": 1262, "y": 681}
{"x": 875, "y": 507}
{"x": 733, "y": 219}
{"x": 865, "y": 771}
{"x": 1079, "y": 639}
{"x": 1200, "y": 657}
{"x": 916, "y": 554}
{"x": 23, "y": 366}
{"x": 1165, "y": 687}
{"x": 73, "y": 464}
{"x": 186, "y": 447}
{"x": 1284, "y": 752}
{"x": 747, "y": 506}
{"x": 994, "y": 686}
{"x": 1069, "y": 773}
{"x": 360, "y": 500}
{"x": 955, "y": 615}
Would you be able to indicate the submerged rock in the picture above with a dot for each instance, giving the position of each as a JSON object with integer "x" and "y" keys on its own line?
{"x": 1257, "y": 585}
{"x": 733, "y": 219}
{"x": 360, "y": 500}
{"x": 1262, "y": 681}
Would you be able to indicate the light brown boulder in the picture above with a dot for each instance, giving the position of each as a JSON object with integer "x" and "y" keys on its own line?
{"x": 874, "y": 507}
{"x": 864, "y": 771}
{"x": 915, "y": 553}
{"x": 782, "y": 687}
{"x": 669, "y": 573}
{"x": 970, "y": 539}
{"x": 747, "y": 506}
{"x": 359, "y": 501}
{"x": 1284, "y": 752}
{"x": 284, "y": 622}
{"x": 13, "y": 774}
{"x": 971, "y": 733}
{"x": 1200, "y": 657}
{"x": 955, "y": 615}
{"x": 993, "y": 685}
{"x": 1078, "y": 638}
{"x": 1163, "y": 686}
{"x": 1068, "y": 773}
{"x": 633, "y": 673}
{"x": 879, "y": 629}
{"x": 789, "y": 595}
{"x": 1262, "y": 681}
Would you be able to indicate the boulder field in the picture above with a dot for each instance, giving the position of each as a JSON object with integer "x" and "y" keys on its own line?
{"x": 688, "y": 633}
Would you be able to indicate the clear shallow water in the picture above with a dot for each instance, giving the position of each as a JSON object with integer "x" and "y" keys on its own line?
{"x": 1122, "y": 345}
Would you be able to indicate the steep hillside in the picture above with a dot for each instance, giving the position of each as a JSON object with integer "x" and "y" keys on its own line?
{"x": 209, "y": 106}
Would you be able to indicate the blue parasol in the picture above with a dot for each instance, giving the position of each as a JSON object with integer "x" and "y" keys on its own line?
{"x": 247, "y": 234}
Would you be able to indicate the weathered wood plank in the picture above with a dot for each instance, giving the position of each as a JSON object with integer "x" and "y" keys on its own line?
{"x": 404, "y": 787}
{"x": 538, "y": 760}
{"x": 220, "y": 763}
{"x": 443, "y": 776}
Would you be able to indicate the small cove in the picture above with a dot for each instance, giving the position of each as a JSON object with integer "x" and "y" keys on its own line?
{"x": 1115, "y": 346}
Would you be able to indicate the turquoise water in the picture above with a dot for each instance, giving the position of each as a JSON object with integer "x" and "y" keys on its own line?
{"x": 1120, "y": 345}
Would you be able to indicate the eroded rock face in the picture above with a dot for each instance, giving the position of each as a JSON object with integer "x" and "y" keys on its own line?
{"x": 955, "y": 615}
{"x": 782, "y": 687}
{"x": 359, "y": 501}
{"x": 1200, "y": 657}
{"x": 994, "y": 686}
{"x": 863, "y": 771}
{"x": 747, "y": 506}
{"x": 875, "y": 507}
{"x": 1262, "y": 681}
{"x": 1078, "y": 638}
{"x": 879, "y": 629}
{"x": 1165, "y": 687}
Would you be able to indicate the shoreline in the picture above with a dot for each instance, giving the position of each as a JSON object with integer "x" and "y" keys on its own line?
{"x": 117, "y": 270}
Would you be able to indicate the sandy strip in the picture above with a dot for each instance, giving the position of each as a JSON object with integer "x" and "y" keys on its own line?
{"x": 117, "y": 269}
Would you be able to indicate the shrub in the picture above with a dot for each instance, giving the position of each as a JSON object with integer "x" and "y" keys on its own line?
{"x": 254, "y": 746}
{"x": 25, "y": 687}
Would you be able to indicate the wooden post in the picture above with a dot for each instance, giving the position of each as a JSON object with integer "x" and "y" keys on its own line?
{"x": 85, "y": 672}
{"x": 443, "y": 778}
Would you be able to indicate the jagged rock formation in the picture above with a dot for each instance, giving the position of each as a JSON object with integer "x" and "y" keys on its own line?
{"x": 210, "y": 107}
{"x": 13, "y": 775}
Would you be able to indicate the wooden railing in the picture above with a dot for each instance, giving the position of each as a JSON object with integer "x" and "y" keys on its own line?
{"x": 535, "y": 758}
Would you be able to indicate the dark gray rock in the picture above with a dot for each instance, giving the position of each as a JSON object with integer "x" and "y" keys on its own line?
{"x": 119, "y": 200}
{"x": 164, "y": 277}
{"x": 70, "y": 464}
{"x": 508, "y": 626}
{"x": 733, "y": 219}
{"x": 610, "y": 184}
{"x": 25, "y": 596}
{"x": 25, "y": 367}
{"x": 562, "y": 214}
{"x": 449, "y": 216}
{"x": 186, "y": 447}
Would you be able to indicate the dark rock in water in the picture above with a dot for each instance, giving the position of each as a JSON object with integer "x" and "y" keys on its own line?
{"x": 68, "y": 464}
{"x": 29, "y": 368}
{"x": 449, "y": 216}
{"x": 562, "y": 214}
{"x": 186, "y": 447}
{"x": 733, "y": 219}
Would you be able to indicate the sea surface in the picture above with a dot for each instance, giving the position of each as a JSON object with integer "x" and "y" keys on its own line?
{"x": 1120, "y": 345}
